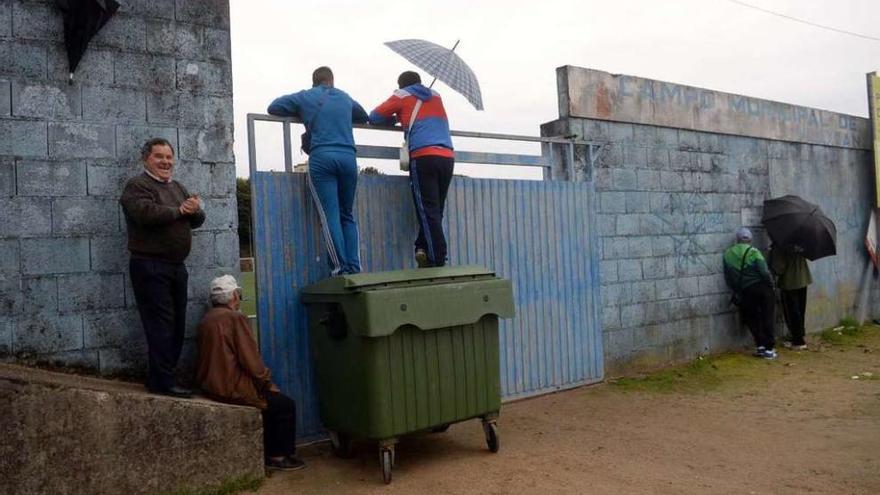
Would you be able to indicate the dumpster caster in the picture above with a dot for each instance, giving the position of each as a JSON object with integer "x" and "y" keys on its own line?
{"x": 490, "y": 428}
{"x": 386, "y": 458}
{"x": 341, "y": 443}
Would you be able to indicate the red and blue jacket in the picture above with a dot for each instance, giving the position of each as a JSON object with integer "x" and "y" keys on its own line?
{"x": 430, "y": 131}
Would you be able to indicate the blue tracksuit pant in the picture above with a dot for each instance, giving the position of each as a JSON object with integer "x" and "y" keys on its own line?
{"x": 333, "y": 181}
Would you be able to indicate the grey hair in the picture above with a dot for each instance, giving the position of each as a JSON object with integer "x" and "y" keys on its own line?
{"x": 222, "y": 298}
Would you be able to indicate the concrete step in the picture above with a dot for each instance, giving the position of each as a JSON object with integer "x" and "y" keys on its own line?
{"x": 70, "y": 434}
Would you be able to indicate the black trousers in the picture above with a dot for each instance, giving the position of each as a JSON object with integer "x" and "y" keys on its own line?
{"x": 430, "y": 177}
{"x": 794, "y": 308}
{"x": 758, "y": 309}
{"x": 279, "y": 425}
{"x": 160, "y": 293}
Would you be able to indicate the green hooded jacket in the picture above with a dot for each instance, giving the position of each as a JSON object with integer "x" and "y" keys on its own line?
{"x": 752, "y": 265}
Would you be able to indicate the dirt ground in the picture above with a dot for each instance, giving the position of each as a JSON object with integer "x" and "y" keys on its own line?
{"x": 732, "y": 424}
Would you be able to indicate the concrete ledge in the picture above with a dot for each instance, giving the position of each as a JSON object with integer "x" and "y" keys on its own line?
{"x": 71, "y": 434}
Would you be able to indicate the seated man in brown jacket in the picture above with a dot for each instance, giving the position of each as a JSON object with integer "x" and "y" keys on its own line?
{"x": 231, "y": 370}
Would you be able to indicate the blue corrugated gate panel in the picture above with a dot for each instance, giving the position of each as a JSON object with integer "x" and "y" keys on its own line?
{"x": 540, "y": 235}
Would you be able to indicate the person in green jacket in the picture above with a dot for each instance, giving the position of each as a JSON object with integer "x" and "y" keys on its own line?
{"x": 793, "y": 278}
{"x": 747, "y": 275}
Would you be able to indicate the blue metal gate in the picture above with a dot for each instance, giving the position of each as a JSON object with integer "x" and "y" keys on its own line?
{"x": 539, "y": 234}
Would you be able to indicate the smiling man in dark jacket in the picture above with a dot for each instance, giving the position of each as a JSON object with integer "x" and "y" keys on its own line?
{"x": 160, "y": 215}
{"x": 432, "y": 159}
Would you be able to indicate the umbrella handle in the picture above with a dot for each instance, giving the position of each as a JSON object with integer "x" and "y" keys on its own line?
{"x": 453, "y": 49}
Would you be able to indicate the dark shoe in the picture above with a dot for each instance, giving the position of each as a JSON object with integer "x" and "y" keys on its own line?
{"x": 422, "y": 258}
{"x": 288, "y": 463}
{"x": 174, "y": 391}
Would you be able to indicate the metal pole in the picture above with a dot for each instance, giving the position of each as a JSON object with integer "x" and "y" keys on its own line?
{"x": 288, "y": 159}
{"x": 450, "y": 52}
{"x": 252, "y": 147}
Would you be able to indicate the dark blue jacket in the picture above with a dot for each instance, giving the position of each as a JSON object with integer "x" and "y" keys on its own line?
{"x": 332, "y": 130}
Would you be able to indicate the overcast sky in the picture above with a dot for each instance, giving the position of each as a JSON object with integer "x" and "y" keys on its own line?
{"x": 515, "y": 46}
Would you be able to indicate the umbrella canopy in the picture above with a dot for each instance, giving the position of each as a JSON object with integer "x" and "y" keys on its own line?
{"x": 82, "y": 20}
{"x": 441, "y": 63}
{"x": 799, "y": 226}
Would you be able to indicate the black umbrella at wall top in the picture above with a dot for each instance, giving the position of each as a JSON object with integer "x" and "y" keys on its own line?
{"x": 799, "y": 226}
{"x": 82, "y": 20}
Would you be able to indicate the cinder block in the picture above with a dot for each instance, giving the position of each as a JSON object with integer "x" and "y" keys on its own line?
{"x": 653, "y": 224}
{"x": 10, "y": 296}
{"x": 591, "y": 130}
{"x": 644, "y": 291}
{"x": 617, "y": 294}
{"x": 659, "y": 202}
{"x": 658, "y": 158}
{"x": 9, "y": 261}
{"x": 45, "y": 333}
{"x": 145, "y": 72}
{"x": 613, "y": 202}
{"x": 645, "y": 135}
{"x": 7, "y": 177}
{"x": 39, "y": 295}
{"x": 24, "y": 217}
{"x": 648, "y": 180}
{"x": 223, "y": 179}
{"x": 109, "y": 181}
{"x": 200, "y": 283}
{"x": 685, "y": 161}
{"x": 163, "y": 108}
{"x": 159, "y": 9}
{"x": 608, "y": 271}
{"x": 130, "y": 139}
{"x": 617, "y": 343}
{"x": 5, "y": 18}
{"x": 671, "y": 181}
{"x": 23, "y": 60}
{"x": 629, "y": 270}
{"x": 46, "y": 101}
{"x": 655, "y": 268}
{"x": 638, "y": 202}
{"x": 109, "y": 254}
{"x": 205, "y": 111}
{"x": 618, "y": 132}
{"x": 602, "y": 179}
{"x": 656, "y": 312}
{"x": 204, "y": 77}
{"x": 207, "y": 12}
{"x": 689, "y": 286}
{"x": 189, "y": 41}
{"x": 7, "y": 325}
{"x": 114, "y": 104}
{"x": 610, "y": 156}
{"x": 85, "y": 216}
{"x": 202, "y": 253}
{"x": 161, "y": 37}
{"x": 217, "y": 44}
{"x": 635, "y": 157}
{"x": 95, "y": 68}
{"x": 5, "y": 98}
{"x": 610, "y": 318}
{"x": 632, "y": 316}
{"x": 713, "y": 284}
{"x": 194, "y": 313}
{"x": 41, "y": 256}
{"x": 209, "y": 145}
{"x": 221, "y": 214}
{"x": 666, "y": 288}
{"x": 663, "y": 245}
{"x": 36, "y": 21}
{"x": 688, "y": 140}
{"x": 195, "y": 177}
{"x": 226, "y": 249}
{"x": 91, "y": 291}
{"x": 710, "y": 143}
{"x": 123, "y": 360}
{"x": 23, "y": 138}
{"x": 44, "y": 178}
{"x": 639, "y": 247}
{"x": 607, "y": 224}
{"x": 628, "y": 224}
{"x": 69, "y": 140}
{"x": 624, "y": 180}
{"x": 123, "y": 31}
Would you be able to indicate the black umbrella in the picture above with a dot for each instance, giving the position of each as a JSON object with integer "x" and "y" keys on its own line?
{"x": 82, "y": 20}
{"x": 798, "y": 226}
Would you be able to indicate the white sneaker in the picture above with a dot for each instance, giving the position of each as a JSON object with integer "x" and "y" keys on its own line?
{"x": 769, "y": 354}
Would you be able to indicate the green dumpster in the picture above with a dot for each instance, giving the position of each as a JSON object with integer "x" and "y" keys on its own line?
{"x": 405, "y": 351}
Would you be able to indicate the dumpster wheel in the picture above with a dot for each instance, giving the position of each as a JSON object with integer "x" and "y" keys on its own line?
{"x": 490, "y": 427}
{"x": 386, "y": 458}
{"x": 341, "y": 443}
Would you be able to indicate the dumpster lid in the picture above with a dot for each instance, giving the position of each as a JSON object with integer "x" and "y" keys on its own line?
{"x": 398, "y": 278}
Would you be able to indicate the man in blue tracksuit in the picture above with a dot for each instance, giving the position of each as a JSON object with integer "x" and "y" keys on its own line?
{"x": 328, "y": 114}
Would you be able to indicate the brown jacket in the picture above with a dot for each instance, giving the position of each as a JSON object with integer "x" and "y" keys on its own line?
{"x": 230, "y": 368}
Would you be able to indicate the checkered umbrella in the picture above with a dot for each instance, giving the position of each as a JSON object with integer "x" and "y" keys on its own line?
{"x": 443, "y": 64}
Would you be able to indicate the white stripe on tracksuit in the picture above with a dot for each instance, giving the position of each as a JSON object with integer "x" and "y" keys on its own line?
{"x": 325, "y": 229}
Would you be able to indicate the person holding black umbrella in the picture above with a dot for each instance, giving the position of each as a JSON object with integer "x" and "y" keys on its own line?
{"x": 792, "y": 277}
{"x": 746, "y": 273}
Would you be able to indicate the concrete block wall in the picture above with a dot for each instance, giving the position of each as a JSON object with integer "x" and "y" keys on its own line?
{"x": 669, "y": 203}
{"x": 157, "y": 69}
